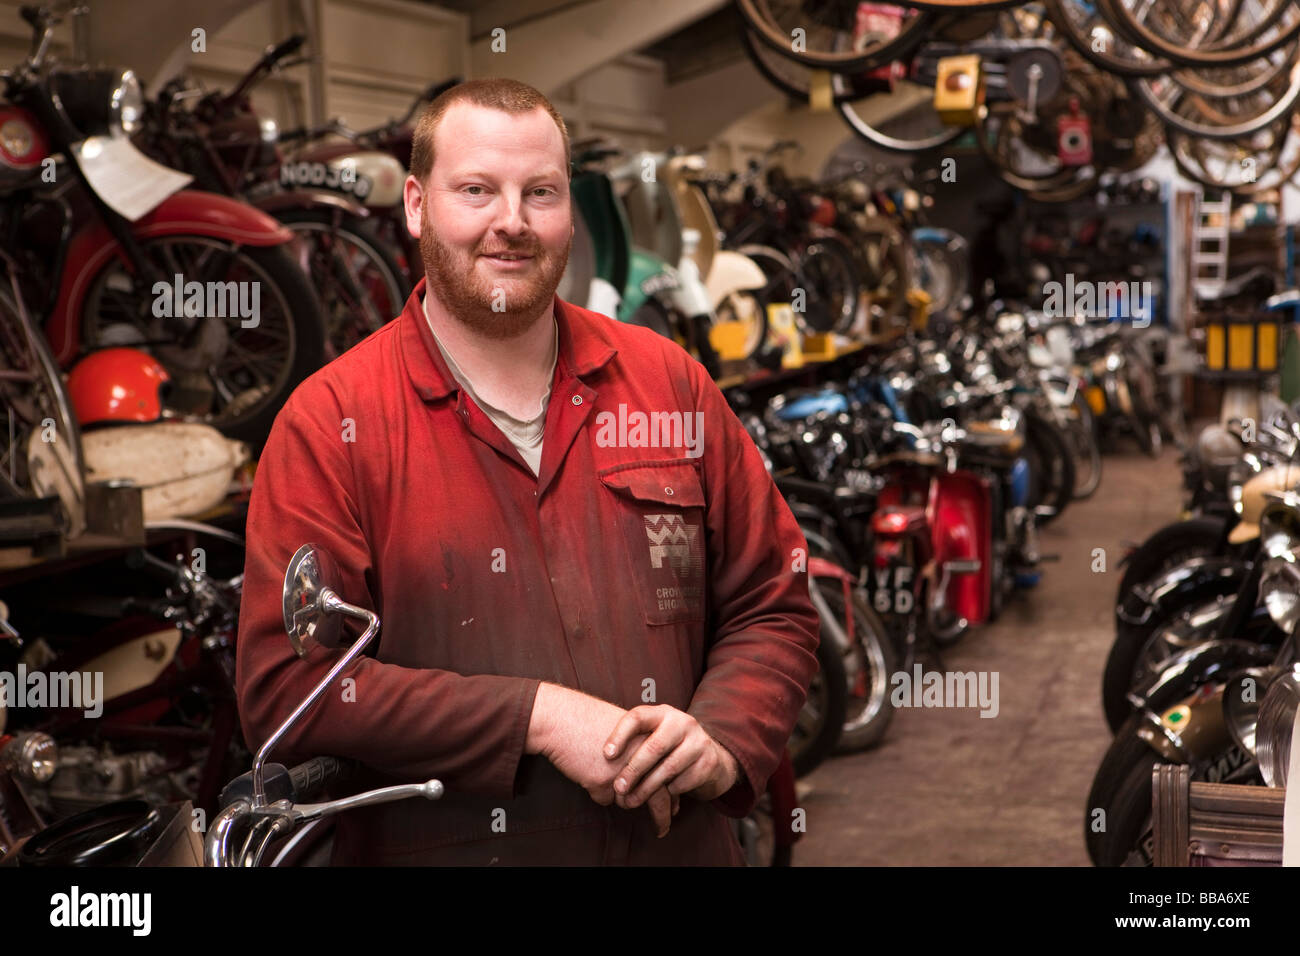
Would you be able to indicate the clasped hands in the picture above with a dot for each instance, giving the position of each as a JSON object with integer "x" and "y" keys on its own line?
{"x": 648, "y": 755}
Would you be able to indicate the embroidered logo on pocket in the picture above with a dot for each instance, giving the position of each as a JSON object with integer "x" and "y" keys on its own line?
{"x": 671, "y": 539}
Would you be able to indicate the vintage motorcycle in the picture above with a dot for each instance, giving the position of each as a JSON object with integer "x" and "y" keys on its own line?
{"x": 1183, "y": 579}
{"x": 229, "y": 149}
{"x": 107, "y": 248}
{"x": 1205, "y": 707}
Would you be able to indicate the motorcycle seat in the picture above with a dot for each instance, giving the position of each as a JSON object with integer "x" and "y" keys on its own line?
{"x": 990, "y": 437}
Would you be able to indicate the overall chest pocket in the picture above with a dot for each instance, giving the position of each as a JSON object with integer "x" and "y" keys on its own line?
{"x": 661, "y": 510}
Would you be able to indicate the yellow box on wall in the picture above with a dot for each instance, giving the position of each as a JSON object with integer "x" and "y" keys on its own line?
{"x": 959, "y": 89}
{"x": 1242, "y": 343}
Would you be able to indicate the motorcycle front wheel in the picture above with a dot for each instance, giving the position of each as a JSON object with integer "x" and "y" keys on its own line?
{"x": 1052, "y": 465}
{"x": 233, "y": 371}
{"x": 870, "y": 663}
{"x": 1117, "y": 819}
{"x": 1081, "y": 435}
{"x": 33, "y": 400}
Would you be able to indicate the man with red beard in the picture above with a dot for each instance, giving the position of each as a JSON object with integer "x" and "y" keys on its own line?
{"x": 599, "y": 650}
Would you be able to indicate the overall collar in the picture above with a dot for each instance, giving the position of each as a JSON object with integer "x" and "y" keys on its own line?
{"x": 584, "y": 348}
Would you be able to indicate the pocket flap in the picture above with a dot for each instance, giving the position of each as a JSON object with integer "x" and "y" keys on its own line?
{"x": 671, "y": 483}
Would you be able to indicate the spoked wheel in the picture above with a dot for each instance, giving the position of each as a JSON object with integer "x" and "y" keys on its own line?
{"x": 360, "y": 284}
{"x": 869, "y": 662}
{"x": 1051, "y": 467}
{"x": 1094, "y": 38}
{"x": 826, "y": 269}
{"x": 756, "y": 835}
{"x": 831, "y": 39}
{"x": 1082, "y": 437}
{"x": 932, "y": 134}
{"x": 796, "y": 79}
{"x": 1183, "y": 40}
{"x": 944, "y": 268}
{"x": 40, "y": 442}
{"x": 1145, "y": 419}
{"x": 234, "y": 371}
{"x": 885, "y": 265}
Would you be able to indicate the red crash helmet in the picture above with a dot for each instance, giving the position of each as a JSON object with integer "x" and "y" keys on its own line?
{"x": 117, "y": 385}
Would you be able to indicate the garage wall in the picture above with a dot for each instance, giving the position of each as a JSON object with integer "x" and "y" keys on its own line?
{"x": 421, "y": 44}
{"x": 623, "y": 100}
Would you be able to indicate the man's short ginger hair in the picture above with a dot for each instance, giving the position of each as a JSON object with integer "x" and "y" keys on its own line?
{"x": 508, "y": 96}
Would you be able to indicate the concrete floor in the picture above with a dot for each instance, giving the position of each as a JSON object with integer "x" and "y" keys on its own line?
{"x": 947, "y": 787}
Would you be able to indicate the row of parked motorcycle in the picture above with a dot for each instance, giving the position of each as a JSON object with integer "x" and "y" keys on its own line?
{"x": 1203, "y": 669}
{"x": 920, "y": 476}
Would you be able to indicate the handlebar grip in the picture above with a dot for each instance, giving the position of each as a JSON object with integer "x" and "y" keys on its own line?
{"x": 286, "y": 48}
{"x": 289, "y": 135}
{"x": 310, "y": 778}
{"x": 298, "y": 785}
{"x": 279, "y": 786}
{"x": 32, "y": 15}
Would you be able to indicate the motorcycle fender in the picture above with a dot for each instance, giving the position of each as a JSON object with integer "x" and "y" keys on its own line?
{"x": 135, "y": 664}
{"x": 378, "y": 177}
{"x": 189, "y": 212}
{"x": 1196, "y": 665}
{"x": 732, "y": 272}
{"x": 1144, "y": 602}
{"x": 821, "y": 568}
{"x": 307, "y": 199}
{"x": 648, "y": 277}
{"x": 961, "y": 530}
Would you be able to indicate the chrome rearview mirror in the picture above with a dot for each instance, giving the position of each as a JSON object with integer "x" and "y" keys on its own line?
{"x": 311, "y": 578}
{"x": 313, "y": 609}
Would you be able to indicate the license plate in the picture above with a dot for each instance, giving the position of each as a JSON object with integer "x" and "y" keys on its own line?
{"x": 891, "y": 590}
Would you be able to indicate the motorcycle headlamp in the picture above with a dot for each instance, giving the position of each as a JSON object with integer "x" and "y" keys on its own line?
{"x": 1279, "y": 590}
{"x": 100, "y": 102}
{"x": 1274, "y": 727}
{"x": 1279, "y": 524}
{"x": 1243, "y": 695}
{"x": 128, "y": 103}
{"x": 31, "y": 755}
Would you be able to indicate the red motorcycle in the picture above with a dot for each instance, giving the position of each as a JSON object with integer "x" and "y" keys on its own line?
{"x": 229, "y": 148}
{"x": 116, "y": 252}
{"x": 933, "y": 556}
